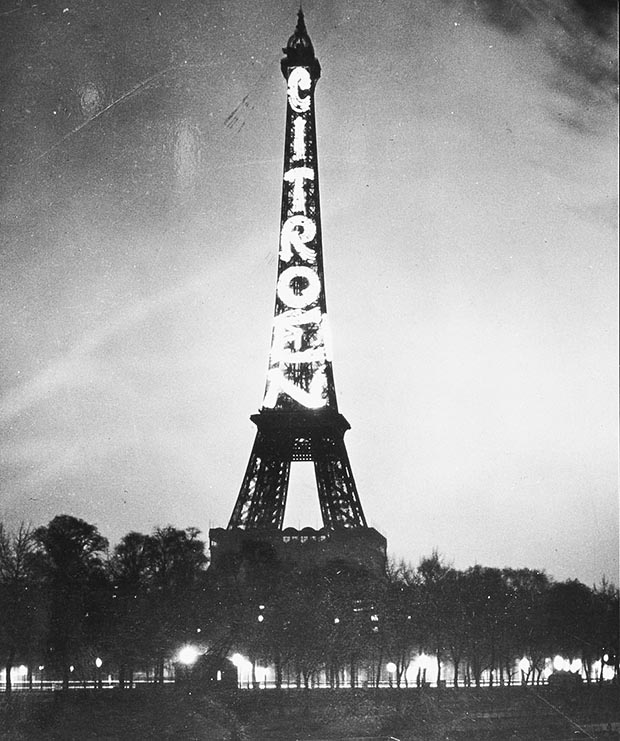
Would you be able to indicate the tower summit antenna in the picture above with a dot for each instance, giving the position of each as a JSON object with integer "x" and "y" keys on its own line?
{"x": 299, "y": 418}
{"x": 299, "y": 50}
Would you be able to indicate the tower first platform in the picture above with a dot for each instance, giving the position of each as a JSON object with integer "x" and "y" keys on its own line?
{"x": 299, "y": 419}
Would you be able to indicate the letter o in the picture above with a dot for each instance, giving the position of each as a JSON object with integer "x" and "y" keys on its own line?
{"x": 307, "y": 296}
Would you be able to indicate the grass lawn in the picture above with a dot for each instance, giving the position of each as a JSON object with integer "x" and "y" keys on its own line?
{"x": 493, "y": 714}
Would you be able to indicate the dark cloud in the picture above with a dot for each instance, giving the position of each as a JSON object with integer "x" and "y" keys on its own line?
{"x": 599, "y": 15}
{"x": 581, "y": 35}
{"x": 509, "y": 15}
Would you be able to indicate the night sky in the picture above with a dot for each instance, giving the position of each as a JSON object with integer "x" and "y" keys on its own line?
{"x": 467, "y": 154}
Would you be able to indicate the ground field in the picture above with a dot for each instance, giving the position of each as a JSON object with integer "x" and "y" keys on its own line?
{"x": 491, "y": 714}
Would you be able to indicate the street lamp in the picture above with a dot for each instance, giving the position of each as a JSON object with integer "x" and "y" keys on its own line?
{"x": 188, "y": 655}
{"x": 98, "y": 664}
{"x": 558, "y": 663}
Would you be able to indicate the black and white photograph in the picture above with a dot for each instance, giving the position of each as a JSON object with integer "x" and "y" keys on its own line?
{"x": 309, "y": 370}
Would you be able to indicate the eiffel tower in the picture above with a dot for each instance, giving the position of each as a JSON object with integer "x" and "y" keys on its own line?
{"x": 299, "y": 419}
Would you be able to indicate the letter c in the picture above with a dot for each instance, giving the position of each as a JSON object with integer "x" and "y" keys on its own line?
{"x": 298, "y": 81}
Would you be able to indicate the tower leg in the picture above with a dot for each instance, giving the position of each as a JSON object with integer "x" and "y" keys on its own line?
{"x": 262, "y": 498}
{"x": 338, "y": 497}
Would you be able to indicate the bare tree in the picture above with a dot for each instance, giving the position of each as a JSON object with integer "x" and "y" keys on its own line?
{"x": 22, "y": 610}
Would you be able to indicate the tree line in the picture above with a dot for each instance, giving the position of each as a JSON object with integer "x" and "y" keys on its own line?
{"x": 67, "y": 599}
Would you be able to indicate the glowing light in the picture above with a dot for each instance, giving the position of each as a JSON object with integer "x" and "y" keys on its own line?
{"x": 299, "y": 81}
{"x": 261, "y": 673}
{"x": 71, "y": 668}
{"x": 558, "y": 663}
{"x": 608, "y": 672}
{"x": 188, "y": 655}
{"x": 576, "y": 665}
{"x": 314, "y": 398}
{"x": 98, "y": 662}
{"x": 297, "y": 175}
{"x": 261, "y": 618}
{"x": 299, "y": 138}
{"x": 241, "y": 662}
{"x": 297, "y": 337}
{"x": 299, "y": 330}
{"x": 336, "y": 620}
{"x": 308, "y": 294}
{"x": 293, "y": 320}
{"x": 297, "y": 232}
{"x": 425, "y": 662}
{"x": 524, "y": 665}
{"x": 391, "y": 667}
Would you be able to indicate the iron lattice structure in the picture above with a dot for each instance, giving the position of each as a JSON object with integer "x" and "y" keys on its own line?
{"x": 299, "y": 419}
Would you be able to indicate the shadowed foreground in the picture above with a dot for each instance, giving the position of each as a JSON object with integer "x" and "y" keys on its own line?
{"x": 174, "y": 713}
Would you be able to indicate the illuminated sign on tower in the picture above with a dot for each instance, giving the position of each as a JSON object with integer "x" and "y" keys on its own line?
{"x": 299, "y": 365}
